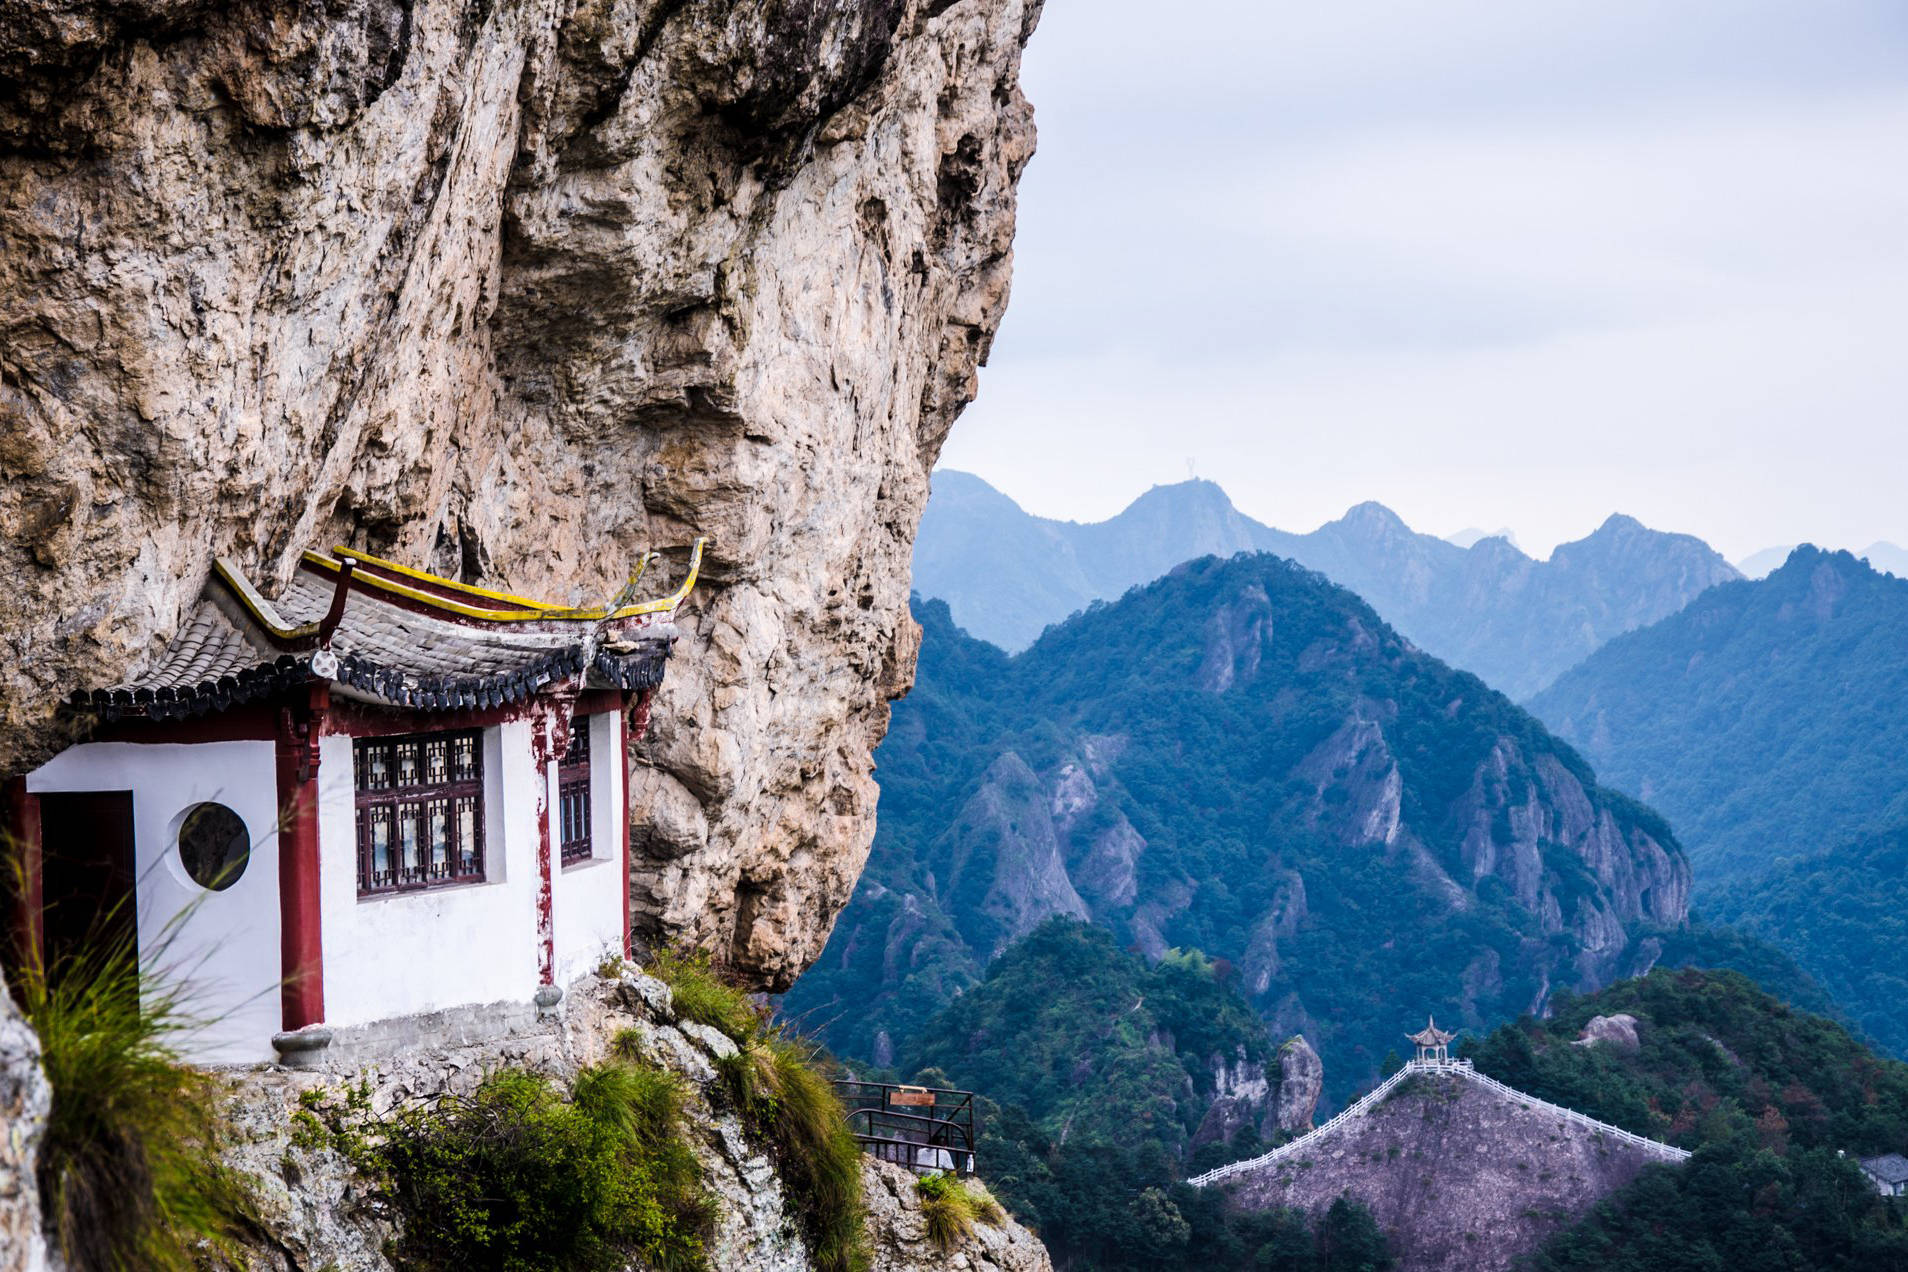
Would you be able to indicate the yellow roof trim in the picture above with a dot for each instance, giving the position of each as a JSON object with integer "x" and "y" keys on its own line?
{"x": 262, "y": 610}
{"x": 466, "y": 588}
{"x": 676, "y": 597}
{"x": 546, "y": 613}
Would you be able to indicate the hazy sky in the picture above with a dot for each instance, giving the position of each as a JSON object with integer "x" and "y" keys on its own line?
{"x": 1493, "y": 262}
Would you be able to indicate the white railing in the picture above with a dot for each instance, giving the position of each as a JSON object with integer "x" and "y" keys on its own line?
{"x": 1459, "y": 1068}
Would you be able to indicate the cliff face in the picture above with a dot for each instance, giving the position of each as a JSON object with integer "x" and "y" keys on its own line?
{"x": 514, "y": 290}
{"x": 24, "y": 1103}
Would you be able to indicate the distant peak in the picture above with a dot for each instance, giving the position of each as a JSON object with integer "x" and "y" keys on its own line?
{"x": 1471, "y": 536}
{"x": 1196, "y": 489}
{"x": 1619, "y": 523}
{"x": 1806, "y": 557}
{"x": 1373, "y": 515}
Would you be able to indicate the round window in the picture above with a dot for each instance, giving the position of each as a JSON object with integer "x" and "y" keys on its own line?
{"x": 214, "y": 845}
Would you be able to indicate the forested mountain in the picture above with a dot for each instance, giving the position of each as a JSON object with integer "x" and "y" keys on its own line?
{"x": 1100, "y": 1070}
{"x": 1768, "y": 720}
{"x": 1243, "y": 759}
{"x": 1843, "y": 915}
{"x": 1485, "y": 607}
{"x": 1769, "y": 1098}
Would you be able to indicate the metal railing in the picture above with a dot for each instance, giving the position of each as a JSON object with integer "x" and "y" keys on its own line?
{"x": 1412, "y": 1068}
{"x": 922, "y": 1128}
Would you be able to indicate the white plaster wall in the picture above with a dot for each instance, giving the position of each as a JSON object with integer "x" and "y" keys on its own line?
{"x": 410, "y": 952}
{"x": 223, "y": 944}
{"x": 588, "y": 896}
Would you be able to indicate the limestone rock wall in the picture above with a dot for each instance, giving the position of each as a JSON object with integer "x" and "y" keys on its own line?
{"x": 514, "y": 289}
{"x": 25, "y": 1100}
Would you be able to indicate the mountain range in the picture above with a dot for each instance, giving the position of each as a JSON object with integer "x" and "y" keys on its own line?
{"x": 1488, "y": 608}
{"x": 1767, "y": 721}
{"x": 1240, "y": 758}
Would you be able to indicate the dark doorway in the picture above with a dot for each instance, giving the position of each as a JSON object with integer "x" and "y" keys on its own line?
{"x": 87, "y": 874}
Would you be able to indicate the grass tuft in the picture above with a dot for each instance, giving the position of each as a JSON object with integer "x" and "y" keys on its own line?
{"x": 783, "y": 1100}
{"x": 951, "y": 1207}
{"x": 700, "y": 995}
{"x": 129, "y": 1172}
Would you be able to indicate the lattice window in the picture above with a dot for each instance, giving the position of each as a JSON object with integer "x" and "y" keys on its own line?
{"x": 573, "y": 794}
{"x": 420, "y": 811}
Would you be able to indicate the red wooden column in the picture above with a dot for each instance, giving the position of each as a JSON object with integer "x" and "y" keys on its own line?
{"x": 20, "y": 824}
{"x": 300, "y": 900}
{"x": 631, "y": 723}
{"x": 545, "y": 746}
{"x": 620, "y": 737}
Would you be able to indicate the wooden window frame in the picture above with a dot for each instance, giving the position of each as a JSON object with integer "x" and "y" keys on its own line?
{"x": 574, "y": 811}
{"x": 453, "y": 789}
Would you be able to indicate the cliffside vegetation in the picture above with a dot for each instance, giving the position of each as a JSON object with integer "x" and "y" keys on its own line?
{"x": 1240, "y": 758}
{"x": 776, "y": 1087}
{"x": 129, "y": 1174}
{"x": 524, "y": 1176}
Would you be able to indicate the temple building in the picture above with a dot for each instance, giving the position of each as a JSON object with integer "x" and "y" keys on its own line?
{"x": 384, "y": 794}
{"x": 1432, "y": 1042}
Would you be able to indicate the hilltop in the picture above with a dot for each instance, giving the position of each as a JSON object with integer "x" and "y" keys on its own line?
{"x": 1460, "y": 1173}
{"x": 1243, "y": 759}
{"x": 1484, "y": 606}
{"x": 1532, "y": 1155}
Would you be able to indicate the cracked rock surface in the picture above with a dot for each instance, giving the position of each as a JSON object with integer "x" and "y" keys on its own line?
{"x": 513, "y": 290}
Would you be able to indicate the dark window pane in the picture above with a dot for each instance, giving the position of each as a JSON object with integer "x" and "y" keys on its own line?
{"x": 214, "y": 846}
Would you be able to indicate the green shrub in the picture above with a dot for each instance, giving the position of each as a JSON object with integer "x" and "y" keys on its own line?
{"x": 700, "y": 995}
{"x": 784, "y": 1101}
{"x": 517, "y": 1178}
{"x": 129, "y": 1173}
{"x": 951, "y": 1208}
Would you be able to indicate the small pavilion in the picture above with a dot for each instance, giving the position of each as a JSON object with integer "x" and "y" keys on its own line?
{"x": 382, "y": 794}
{"x": 1432, "y": 1042}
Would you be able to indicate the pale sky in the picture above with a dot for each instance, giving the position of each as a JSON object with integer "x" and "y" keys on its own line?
{"x": 1513, "y": 263}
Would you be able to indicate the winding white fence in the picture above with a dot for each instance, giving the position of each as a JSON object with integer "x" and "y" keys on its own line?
{"x": 1457, "y": 1068}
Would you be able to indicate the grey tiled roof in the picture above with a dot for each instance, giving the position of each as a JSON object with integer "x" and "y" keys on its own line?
{"x": 223, "y": 655}
{"x": 1891, "y": 1168}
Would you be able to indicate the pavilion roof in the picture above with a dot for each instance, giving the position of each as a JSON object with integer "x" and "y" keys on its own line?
{"x": 1431, "y": 1035}
{"x": 392, "y": 635}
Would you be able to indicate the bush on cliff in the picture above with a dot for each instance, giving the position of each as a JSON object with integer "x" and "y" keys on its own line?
{"x": 521, "y": 1177}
